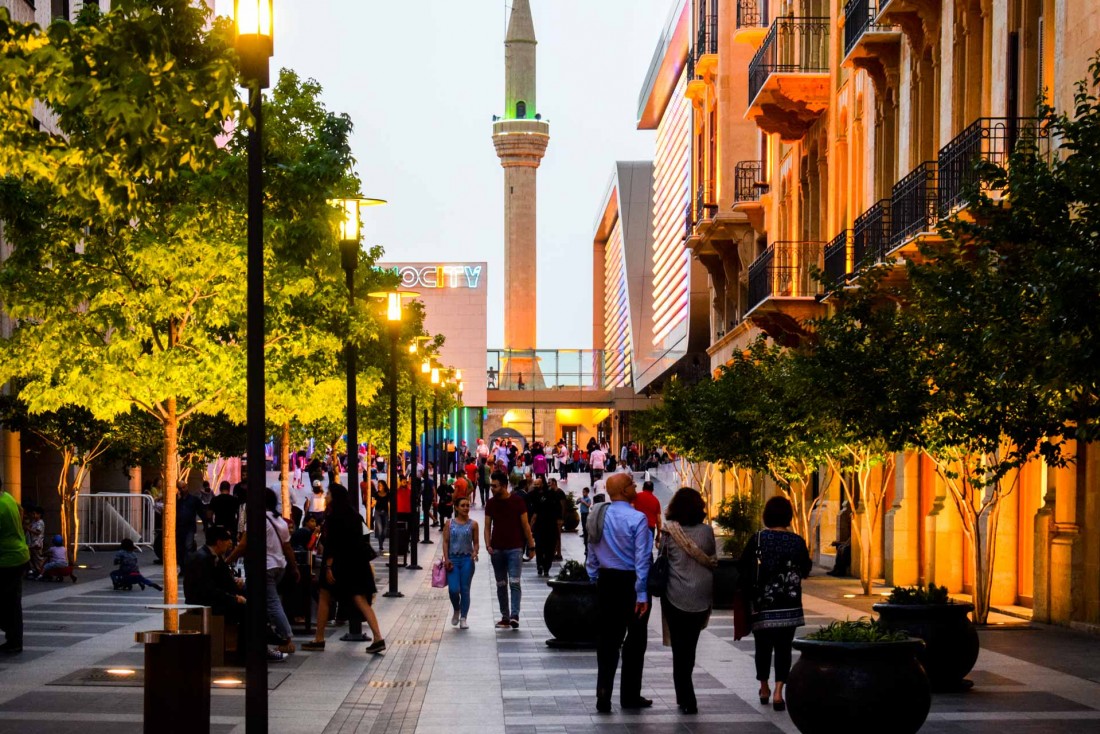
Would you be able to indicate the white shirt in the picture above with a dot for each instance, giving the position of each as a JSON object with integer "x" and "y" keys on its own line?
{"x": 277, "y": 534}
{"x": 596, "y": 459}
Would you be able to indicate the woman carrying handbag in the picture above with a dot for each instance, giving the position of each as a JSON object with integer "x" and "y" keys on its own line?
{"x": 688, "y": 545}
{"x": 460, "y": 547}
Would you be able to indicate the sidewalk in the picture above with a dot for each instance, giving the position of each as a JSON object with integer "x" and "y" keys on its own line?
{"x": 436, "y": 679}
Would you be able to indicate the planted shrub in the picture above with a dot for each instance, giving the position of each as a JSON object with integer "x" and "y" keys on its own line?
{"x": 919, "y": 595}
{"x": 860, "y": 630}
{"x": 572, "y": 571}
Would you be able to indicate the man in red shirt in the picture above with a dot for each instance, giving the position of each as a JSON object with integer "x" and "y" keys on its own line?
{"x": 647, "y": 503}
{"x": 506, "y": 529}
{"x": 405, "y": 513}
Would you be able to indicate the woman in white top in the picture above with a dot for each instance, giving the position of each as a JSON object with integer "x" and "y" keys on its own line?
{"x": 315, "y": 504}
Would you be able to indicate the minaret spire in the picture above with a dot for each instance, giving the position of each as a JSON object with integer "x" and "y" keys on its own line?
{"x": 519, "y": 64}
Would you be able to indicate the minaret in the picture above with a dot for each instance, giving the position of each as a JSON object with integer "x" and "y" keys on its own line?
{"x": 520, "y": 137}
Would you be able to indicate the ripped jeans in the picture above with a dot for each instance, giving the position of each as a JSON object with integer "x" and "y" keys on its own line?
{"x": 507, "y": 566}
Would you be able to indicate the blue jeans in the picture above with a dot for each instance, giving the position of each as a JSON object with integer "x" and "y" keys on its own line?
{"x": 459, "y": 579}
{"x": 275, "y": 613}
{"x": 507, "y": 565}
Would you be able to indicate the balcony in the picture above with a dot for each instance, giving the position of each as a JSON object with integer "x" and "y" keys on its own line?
{"x": 839, "y": 256}
{"x": 752, "y": 21}
{"x": 871, "y": 235}
{"x": 789, "y": 77}
{"x": 748, "y": 181}
{"x": 706, "y": 40}
{"x": 869, "y": 44}
{"x": 784, "y": 270}
{"x": 556, "y": 369}
{"x": 705, "y": 208}
{"x": 990, "y": 139}
{"x": 913, "y": 206}
{"x": 689, "y": 221}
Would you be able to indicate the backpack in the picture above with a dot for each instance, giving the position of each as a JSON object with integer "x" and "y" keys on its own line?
{"x": 595, "y": 522}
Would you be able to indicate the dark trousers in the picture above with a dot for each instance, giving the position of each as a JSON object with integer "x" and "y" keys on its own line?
{"x": 619, "y": 628}
{"x": 778, "y": 639}
{"x": 545, "y": 544}
{"x": 683, "y": 630}
{"x": 11, "y": 603}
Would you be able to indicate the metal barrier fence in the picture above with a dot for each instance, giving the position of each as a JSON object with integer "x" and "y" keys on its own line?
{"x": 105, "y": 519}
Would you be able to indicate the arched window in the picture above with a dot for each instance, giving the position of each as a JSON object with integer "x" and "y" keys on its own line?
{"x": 521, "y": 110}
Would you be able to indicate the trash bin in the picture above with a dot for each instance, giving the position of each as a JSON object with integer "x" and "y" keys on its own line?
{"x": 177, "y": 678}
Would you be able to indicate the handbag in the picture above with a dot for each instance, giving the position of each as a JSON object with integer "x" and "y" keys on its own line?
{"x": 657, "y": 583}
{"x": 439, "y": 575}
{"x": 742, "y": 613}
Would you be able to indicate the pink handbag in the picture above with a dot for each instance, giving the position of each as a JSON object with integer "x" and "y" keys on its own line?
{"x": 439, "y": 575}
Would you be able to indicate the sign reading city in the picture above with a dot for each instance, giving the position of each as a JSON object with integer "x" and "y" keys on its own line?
{"x": 439, "y": 276}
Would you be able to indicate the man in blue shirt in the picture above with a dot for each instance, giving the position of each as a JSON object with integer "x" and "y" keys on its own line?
{"x": 619, "y": 561}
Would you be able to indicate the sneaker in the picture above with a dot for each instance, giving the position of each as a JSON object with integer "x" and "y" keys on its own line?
{"x": 377, "y": 647}
{"x": 287, "y": 647}
{"x": 462, "y": 624}
{"x": 514, "y": 623}
{"x": 504, "y": 623}
{"x": 454, "y": 619}
{"x": 274, "y": 656}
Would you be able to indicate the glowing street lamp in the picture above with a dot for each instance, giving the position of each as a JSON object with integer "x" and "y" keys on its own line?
{"x": 255, "y": 41}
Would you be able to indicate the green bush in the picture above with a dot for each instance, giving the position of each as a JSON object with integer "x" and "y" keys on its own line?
{"x": 919, "y": 595}
{"x": 739, "y": 515}
{"x": 572, "y": 571}
{"x": 861, "y": 630}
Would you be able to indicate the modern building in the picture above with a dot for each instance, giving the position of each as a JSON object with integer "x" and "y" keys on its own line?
{"x": 455, "y": 298}
{"x": 826, "y": 135}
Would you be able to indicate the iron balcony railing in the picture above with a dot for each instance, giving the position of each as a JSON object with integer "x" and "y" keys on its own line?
{"x": 990, "y": 139}
{"x": 748, "y": 185}
{"x": 689, "y": 221}
{"x": 556, "y": 369}
{"x": 871, "y": 235}
{"x": 705, "y": 208}
{"x": 913, "y": 204}
{"x": 752, "y": 14}
{"x": 859, "y": 18}
{"x": 838, "y": 253}
{"x": 706, "y": 39}
{"x": 793, "y": 46}
{"x": 785, "y": 270}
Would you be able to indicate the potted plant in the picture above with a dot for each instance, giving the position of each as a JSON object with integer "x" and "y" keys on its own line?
{"x": 950, "y": 638}
{"x": 570, "y": 609}
{"x": 858, "y": 677}
{"x": 571, "y": 518}
{"x": 739, "y": 515}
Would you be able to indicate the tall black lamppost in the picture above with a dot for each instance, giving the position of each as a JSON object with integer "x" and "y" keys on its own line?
{"x": 394, "y": 313}
{"x": 426, "y": 368}
{"x": 255, "y": 45}
{"x": 416, "y": 481}
{"x": 436, "y": 380}
{"x": 350, "y": 235}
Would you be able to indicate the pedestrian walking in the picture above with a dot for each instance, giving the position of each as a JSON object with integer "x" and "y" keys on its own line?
{"x": 346, "y": 574}
{"x": 647, "y": 503}
{"x": 545, "y": 515}
{"x": 460, "y": 550}
{"x": 619, "y": 556}
{"x": 14, "y": 557}
{"x": 506, "y": 530}
{"x": 772, "y": 567}
{"x": 315, "y": 503}
{"x": 585, "y": 506}
{"x": 685, "y": 607}
{"x": 381, "y": 513}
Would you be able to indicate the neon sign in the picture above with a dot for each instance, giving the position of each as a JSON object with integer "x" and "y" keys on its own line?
{"x": 439, "y": 276}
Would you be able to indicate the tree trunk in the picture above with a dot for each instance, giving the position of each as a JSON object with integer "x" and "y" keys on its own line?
{"x": 68, "y": 512}
{"x": 171, "y": 466}
{"x": 284, "y": 468}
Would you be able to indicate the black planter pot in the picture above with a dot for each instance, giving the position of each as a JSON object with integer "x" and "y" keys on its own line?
{"x": 725, "y": 583}
{"x": 570, "y": 614}
{"x": 571, "y": 520}
{"x": 858, "y": 687}
{"x": 950, "y": 638}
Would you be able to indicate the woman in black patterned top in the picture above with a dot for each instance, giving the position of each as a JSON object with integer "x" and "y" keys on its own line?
{"x": 773, "y": 565}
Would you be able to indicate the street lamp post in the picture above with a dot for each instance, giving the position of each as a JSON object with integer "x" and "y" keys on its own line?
{"x": 425, "y": 368}
{"x": 350, "y": 237}
{"x": 255, "y": 45}
{"x": 393, "y": 318}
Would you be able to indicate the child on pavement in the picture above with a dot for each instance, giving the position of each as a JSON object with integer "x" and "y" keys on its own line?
{"x": 128, "y": 572}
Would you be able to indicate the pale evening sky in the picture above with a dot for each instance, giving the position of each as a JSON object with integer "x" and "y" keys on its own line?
{"x": 422, "y": 79}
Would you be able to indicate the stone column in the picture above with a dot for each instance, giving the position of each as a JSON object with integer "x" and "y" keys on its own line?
{"x": 944, "y": 541}
{"x": 10, "y": 463}
{"x": 902, "y": 562}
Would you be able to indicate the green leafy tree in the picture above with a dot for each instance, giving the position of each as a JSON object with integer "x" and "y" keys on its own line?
{"x": 125, "y": 273}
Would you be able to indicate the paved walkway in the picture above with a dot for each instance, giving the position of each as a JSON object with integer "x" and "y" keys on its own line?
{"x": 436, "y": 679}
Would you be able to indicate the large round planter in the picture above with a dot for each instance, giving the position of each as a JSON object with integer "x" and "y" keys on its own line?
{"x": 950, "y": 638}
{"x": 570, "y": 614}
{"x": 725, "y": 583}
{"x": 858, "y": 687}
{"x": 571, "y": 520}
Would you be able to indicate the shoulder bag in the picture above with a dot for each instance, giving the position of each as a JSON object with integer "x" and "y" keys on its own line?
{"x": 657, "y": 582}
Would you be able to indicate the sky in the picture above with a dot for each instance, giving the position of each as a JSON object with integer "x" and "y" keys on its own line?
{"x": 421, "y": 80}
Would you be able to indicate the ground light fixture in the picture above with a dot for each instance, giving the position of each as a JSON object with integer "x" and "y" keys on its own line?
{"x": 120, "y": 672}
{"x": 394, "y": 301}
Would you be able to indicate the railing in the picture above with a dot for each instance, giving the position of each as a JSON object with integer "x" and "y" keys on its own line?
{"x": 704, "y": 209}
{"x": 556, "y": 369}
{"x": 859, "y": 18}
{"x": 784, "y": 270}
{"x": 752, "y": 14}
{"x": 793, "y": 45}
{"x": 106, "y": 519}
{"x": 992, "y": 139}
{"x": 913, "y": 204}
{"x": 837, "y": 255}
{"x": 747, "y": 183}
{"x": 871, "y": 235}
{"x": 689, "y": 221}
{"x": 706, "y": 39}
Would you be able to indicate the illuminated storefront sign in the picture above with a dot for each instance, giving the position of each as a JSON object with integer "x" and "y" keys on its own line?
{"x": 439, "y": 276}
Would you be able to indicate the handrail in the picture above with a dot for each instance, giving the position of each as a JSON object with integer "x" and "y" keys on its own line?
{"x": 913, "y": 204}
{"x": 747, "y": 181}
{"x": 784, "y": 270}
{"x": 871, "y": 234}
{"x": 793, "y": 45}
{"x": 860, "y": 18}
{"x": 556, "y": 369}
{"x": 838, "y": 253}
